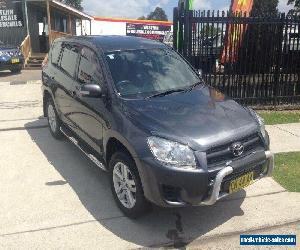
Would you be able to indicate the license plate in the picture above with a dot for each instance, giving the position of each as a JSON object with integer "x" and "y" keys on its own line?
{"x": 241, "y": 182}
{"x": 15, "y": 60}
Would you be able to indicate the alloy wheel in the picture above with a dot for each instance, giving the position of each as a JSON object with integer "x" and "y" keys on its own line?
{"x": 124, "y": 185}
{"x": 52, "y": 118}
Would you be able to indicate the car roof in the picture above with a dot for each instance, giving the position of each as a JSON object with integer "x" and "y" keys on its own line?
{"x": 118, "y": 43}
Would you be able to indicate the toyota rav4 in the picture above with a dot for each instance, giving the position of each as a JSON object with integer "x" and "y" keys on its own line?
{"x": 140, "y": 112}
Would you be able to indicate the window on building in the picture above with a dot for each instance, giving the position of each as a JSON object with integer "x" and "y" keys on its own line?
{"x": 59, "y": 21}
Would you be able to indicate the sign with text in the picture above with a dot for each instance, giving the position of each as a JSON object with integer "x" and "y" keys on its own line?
{"x": 11, "y": 14}
{"x": 150, "y": 31}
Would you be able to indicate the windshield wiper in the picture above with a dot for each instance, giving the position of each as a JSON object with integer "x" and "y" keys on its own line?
{"x": 195, "y": 85}
{"x": 166, "y": 93}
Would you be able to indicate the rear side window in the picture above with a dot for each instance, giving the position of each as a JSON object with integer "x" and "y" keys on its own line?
{"x": 89, "y": 70}
{"x": 69, "y": 58}
{"x": 55, "y": 54}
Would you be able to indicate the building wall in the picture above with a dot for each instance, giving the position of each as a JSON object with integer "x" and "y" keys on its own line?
{"x": 108, "y": 28}
{"x": 14, "y": 35}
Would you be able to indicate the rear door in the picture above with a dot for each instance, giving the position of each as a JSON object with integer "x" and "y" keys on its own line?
{"x": 65, "y": 77}
{"x": 50, "y": 70}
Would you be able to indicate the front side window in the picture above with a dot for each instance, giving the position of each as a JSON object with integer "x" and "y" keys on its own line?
{"x": 89, "y": 70}
{"x": 140, "y": 73}
{"x": 69, "y": 58}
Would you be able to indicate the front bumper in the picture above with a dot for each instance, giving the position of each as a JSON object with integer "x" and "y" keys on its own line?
{"x": 199, "y": 187}
{"x": 216, "y": 195}
{"x": 7, "y": 65}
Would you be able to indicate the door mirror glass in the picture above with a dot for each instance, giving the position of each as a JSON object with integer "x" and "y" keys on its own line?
{"x": 91, "y": 90}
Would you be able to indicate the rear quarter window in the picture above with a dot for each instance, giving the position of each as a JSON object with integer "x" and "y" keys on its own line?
{"x": 56, "y": 52}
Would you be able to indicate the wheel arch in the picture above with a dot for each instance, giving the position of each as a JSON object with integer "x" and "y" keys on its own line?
{"x": 116, "y": 142}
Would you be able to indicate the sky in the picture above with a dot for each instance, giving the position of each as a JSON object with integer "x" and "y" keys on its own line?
{"x": 137, "y": 8}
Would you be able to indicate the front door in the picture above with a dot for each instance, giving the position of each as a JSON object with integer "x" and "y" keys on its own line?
{"x": 89, "y": 115}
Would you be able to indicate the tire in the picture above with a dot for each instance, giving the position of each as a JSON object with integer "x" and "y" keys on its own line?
{"x": 132, "y": 204}
{"x": 54, "y": 122}
{"x": 15, "y": 71}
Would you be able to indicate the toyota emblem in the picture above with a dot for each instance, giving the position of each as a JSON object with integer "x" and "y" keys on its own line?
{"x": 237, "y": 149}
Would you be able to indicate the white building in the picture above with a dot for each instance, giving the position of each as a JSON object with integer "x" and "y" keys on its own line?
{"x": 143, "y": 28}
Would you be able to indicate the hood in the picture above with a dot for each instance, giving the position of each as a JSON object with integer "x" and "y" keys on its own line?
{"x": 200, "y": 118}
{"x": 7, "y": 47}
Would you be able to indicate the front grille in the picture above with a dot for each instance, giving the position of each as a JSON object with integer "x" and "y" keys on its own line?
{"x": 221, "y": 154}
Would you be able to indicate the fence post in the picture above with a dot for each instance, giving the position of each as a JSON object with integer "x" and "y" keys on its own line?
{"x": 278, "y": 59}
{"x": 190, "y": 34}
{"x": 180, "y": 32}
{"x": 175, "y": 28}
{"x": 185, "y": 33}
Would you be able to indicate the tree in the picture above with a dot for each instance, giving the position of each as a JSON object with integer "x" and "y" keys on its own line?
{"x": 142, "y": 18}
{"x": 158, "y": 14}
{"x": 73, "y": 3}
{"x": 264, "y": 7}
{"x": 296, "y": 4}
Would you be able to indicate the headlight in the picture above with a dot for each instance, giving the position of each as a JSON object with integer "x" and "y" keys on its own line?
{"x": 260, "y": 121}
{"x": 3, "y": 53}
{"x": 172, "y": 153}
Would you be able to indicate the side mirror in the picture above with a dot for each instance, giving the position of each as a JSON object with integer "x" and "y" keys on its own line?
{"x": 91, "y": 90}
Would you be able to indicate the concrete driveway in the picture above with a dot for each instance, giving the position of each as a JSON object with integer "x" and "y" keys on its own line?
{"x": 15, "y": 78}
{"x": 53, "y": 197}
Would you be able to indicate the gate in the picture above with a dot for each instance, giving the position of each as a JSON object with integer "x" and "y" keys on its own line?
{"x": 255, "y": 60}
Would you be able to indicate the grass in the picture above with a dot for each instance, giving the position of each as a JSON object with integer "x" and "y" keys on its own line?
{"x": 280, "y": 117}
{"x": 287, "y": 171}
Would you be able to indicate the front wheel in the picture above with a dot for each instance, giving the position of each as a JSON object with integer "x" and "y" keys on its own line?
{"x": 16, "y": 70}
{"x": 53, "y": 120}
{"x": 126, "y": 186}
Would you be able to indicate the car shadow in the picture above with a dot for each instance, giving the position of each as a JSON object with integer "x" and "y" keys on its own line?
{"x": 8, "y": 73}
{"x": 168, "y": 227}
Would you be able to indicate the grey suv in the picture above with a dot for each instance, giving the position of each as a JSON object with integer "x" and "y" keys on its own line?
{"x": 140, "y": 112}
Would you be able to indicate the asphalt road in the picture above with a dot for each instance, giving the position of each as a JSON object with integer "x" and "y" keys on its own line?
{"x": 53, "y": 197}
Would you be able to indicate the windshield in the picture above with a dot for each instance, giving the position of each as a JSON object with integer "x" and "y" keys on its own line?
{"x": 141, "y": 73}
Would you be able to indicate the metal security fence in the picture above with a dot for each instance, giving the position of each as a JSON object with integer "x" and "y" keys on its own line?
{"x": 255, "y": 60}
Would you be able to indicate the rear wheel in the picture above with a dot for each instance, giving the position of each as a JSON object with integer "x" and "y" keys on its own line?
{"x": 126, "y": 186}
{"x": 53, "y": 120}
